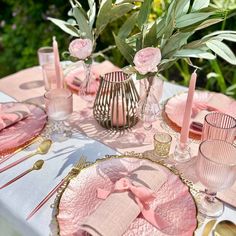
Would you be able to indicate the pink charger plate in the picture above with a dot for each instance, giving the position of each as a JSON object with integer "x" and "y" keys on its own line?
{"x": 175, "y": 106}
{"x": 174, "y": 202}
{"x": 19, "y": 134}
{"x": 98, "y": 69}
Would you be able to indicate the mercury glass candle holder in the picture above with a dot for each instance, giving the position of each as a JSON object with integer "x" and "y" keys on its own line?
{"x": 162, "y": 143}
{"x": 115, "y": 106}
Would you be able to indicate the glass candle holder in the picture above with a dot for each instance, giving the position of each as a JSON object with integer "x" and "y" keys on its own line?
{"x": 162, "y": 143}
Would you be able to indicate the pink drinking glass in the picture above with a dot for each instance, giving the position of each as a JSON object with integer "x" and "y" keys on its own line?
{"x": 59, "y": 106}
{"x": 216, "y": 170}
{"x": 219, "y": 126}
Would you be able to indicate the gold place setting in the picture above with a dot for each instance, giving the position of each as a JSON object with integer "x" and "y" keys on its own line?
{"x": 96, "y": 141}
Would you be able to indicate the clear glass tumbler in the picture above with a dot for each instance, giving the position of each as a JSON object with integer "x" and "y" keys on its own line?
{"x": 216, "y": 170}
{"x": 59, "y": 106}
{"x": 45, "y": 55}
{"x": 219, "y": 126}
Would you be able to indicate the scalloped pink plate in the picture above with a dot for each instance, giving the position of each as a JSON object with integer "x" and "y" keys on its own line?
{"x": 79, "y": 199}
{"x": 175, "y": 106}
{"x": 19, "y": 134}
{"x": 97, "y": 70}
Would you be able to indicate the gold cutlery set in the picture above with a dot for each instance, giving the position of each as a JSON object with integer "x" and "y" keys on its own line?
{"x": 42, "y": 149}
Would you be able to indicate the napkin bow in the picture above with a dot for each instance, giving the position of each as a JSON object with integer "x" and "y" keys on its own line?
{"x": 142, "y": 195}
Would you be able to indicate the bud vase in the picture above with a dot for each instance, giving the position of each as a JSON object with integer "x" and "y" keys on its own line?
{"x": 150, "y": 95}
{"x": 89, "y": 85}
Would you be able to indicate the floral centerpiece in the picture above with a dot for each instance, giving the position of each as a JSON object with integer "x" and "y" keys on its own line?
{"x": 171, "y": 34}
{"x": 152, "y": 47}
{"x": 86, "y": 27}
{"x": 149, "y": 47}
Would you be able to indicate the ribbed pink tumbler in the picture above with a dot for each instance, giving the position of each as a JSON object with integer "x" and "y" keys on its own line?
{"x": 219, "y": 126}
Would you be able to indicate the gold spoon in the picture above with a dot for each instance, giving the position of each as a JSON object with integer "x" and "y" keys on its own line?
{"x": 225, "y": 228}
{"x": 37, "y": 166}
{"x": 42, "y": 149}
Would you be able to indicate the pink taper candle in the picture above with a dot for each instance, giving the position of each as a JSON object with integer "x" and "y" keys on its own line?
{"x": 57, "y": 63}
{"x": 188, "y": 111}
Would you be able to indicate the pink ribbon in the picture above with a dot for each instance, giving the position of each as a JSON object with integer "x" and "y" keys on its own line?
{"x": 142, "y": 195}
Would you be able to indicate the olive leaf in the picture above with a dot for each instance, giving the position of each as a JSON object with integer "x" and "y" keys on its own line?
{"x": 182, "y": 8}
{"x": 228, "y": 37}
{"x": 175, "y": 42}
{"x": 199, "y": 4}
{"x": 192, "y": 18}
{"x": 222, "y": 50}
{"x": 208, "y": 23}
{"x": 82, "y": 22}
{"x": 144, "y": 12}
{"x": 220, "y": 32}
{"x": 118, "y": 11}
{"x": 124, "y": 48}
{"x": 150, "y": 38}
{"x": 103, "y": 16}
{"x": 66, "y": 27}
{"x": 196, "y": 53}
{"x": 128, "y": 26}
{"x": 91, "y": 13}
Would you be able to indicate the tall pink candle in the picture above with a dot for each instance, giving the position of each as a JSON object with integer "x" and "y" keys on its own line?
{"x": 188, "y": 110}
{"x": 57, "y": 63}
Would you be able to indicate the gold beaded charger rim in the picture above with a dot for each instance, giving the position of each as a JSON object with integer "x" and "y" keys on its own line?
{"x": 76, "y": 170}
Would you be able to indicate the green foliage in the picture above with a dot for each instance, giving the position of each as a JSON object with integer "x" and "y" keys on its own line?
{"x": 176, "y": 33}
{"x": 24, "y": 28}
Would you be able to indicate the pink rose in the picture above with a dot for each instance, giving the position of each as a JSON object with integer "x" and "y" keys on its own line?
{"x": 147, "y": 59}
{"x": 81, "y": 48}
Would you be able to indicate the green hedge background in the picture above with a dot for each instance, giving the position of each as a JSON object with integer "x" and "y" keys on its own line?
{"x": 24, "y": 28}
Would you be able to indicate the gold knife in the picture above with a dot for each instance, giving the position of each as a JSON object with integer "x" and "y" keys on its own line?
{"x": 208, "y": 227}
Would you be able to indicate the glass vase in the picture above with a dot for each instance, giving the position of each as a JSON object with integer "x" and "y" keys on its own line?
{"x": 150, "y": 94}
{"x": 89, "y": 85}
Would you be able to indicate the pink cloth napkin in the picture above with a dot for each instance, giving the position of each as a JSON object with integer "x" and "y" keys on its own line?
{"x": 218, "y": 102}
{"x": 197, "y": 122}
{"x": 12, "y": 115}
{"x": 114, "y": 215}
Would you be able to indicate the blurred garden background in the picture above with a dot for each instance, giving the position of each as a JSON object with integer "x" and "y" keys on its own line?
{"x": 24, "y": 28}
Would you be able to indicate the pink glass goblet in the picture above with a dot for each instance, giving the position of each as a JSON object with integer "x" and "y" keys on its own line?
{"x": 216, "y": 170}
{"x": 59, "y": 106}
{"x": 219, "y": 126}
